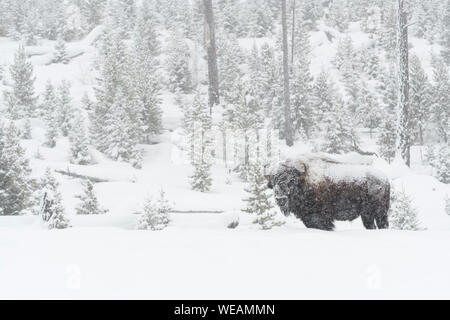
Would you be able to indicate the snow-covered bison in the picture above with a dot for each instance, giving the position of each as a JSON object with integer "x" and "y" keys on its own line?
{"x": 319, "y": 191}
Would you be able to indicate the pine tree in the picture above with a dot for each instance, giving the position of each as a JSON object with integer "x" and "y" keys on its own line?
{"x": 60, "y": 55}
{"x": 443, "y": 164}
{"x": 441, "y": 101}
{"x": 338, "y": 15}
{"x": 21, "y": 99}
{"x": 79, "y": 151}
{"x": 367, "y": 110}
{"x": 64, "y": 110}
{"x": 88, "y": 201}
{"x": 145, "y": 76}
{"x": 199, "y": 126}
{"x": 55, "y": 211}
{"x": 25, "y": 133}
{"x": 339, "y": 136}
{"x": 178, "y": 56}
{"x": 445, "y": 32}
{"x": 51, "y": 134}
{"x": 87, "y": 103}
{"x": 91, "y": 11}
{"x": 259, "y": 202}
{"x": 324, "y": 94}
{"x": 229, "y": 57}
{"x": 303, "y": 115}
{"x": 16, "y": 185}
{"x": 420, "y": 91}
{"x": 121, "y": 141}
{"x": 386, "y": 139}
{"x": 402, "y": 215}
{"x": 156, "y": 213}
{"x": 49, "y": 103}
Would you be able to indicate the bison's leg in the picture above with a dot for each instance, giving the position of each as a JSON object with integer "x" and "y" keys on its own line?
{"x": 382, "y": 215}
{"x": 368, "y": 221}
{"x": 318, "y": 221}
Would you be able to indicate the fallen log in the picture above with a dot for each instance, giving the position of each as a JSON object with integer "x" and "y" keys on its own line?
{"x": 81, "y": 176}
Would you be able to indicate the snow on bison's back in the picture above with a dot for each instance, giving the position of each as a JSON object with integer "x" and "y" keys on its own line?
{"x": 320, "y": 191}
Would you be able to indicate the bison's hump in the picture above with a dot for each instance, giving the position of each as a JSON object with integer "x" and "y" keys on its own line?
{"x": 320, "y": 167}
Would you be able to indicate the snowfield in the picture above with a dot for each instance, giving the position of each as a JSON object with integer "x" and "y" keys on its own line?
{"x": 197, "y": 256}
{"x": 190, "y": 261}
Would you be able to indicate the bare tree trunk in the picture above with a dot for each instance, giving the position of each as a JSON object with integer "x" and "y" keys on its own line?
{"x": 293, "y": 35}
{"x": 287, "y": 98}
{"x": 213, "y": 72}
{"x": 403, "y": 135}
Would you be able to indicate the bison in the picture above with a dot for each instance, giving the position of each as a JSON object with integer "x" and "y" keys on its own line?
{"x": 319, "y": 191}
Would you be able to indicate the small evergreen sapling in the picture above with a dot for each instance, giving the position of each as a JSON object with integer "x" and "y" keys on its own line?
{"x": 402, "y": 215}
{"x": 60, "y": 55}
{"x": 55, "y": 211}
{"x": 79, "y": 151}
{"x": 156, "y": 213}
{"x": 89, "y": 203}
{"x": 443, "y": 164}
{"x": 52, "y": 211}
{"x": 258, "y": 201}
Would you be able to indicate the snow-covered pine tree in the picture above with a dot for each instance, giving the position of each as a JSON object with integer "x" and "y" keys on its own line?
{"x": 87, "y": 103}
{"x": 445, "y": 32}
{"x": 440, "y": 109}
{"x": 16, "y": 184}
{"x": 178, "y": 56}
{"x": 420, "y": 91}
{"x": 49, "y": 101}
{"x": 367, "y": 109}
{"x": 339, "y": 136}
{"x": 338, "y": 15}
{"x": 52, "y": 132}
{"x": 312, "y": 10}
{"x": 387, "y": 137}
{"x": 60, "y": 55}
{"x": 324, "y": 94}
{"x": 121, "y": 140}
{"x": 79, "y": 141}
{"x": 388, "y": 32}
{"x": 229, "y": 57}
{"x": 21, "y": 100}
{"x": 88, "y": 201}
{"x": 54, "y": 209}
{"x": 403, "y": 144}
{"x": 145, "y": 75}
{"x": 259, "y": 202}
{"x": 303, "y": 115}
{"x": 25, "y": 132}
{"x": 64, "y": 109}
{"x": 112, "y": 75}
{"x": 402, "y": 215}
{"x": 442, "y": 163}
{"x": 201, "y": 144}
{"x": 92, "y": 12}
{"x": 156, "y": 213}
{"x": 268, "y": 89}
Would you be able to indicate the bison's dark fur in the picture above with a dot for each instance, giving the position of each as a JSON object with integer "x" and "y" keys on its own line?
{"x": 311, "y": 190}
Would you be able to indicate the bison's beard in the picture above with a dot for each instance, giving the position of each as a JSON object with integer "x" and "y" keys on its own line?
{"x": 283, "y": 204}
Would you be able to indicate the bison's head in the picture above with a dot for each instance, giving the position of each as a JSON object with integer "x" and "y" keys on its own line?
{"x": 285, "y": 183}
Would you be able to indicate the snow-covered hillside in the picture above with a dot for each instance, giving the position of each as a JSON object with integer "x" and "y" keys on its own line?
{"x": 198, "y": 256}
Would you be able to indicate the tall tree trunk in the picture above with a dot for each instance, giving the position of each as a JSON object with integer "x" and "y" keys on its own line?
{"x": 293, "y": 35}
{"x": 213, "y": 72}
{"x": 287, "y": 98}
{"x": 403, "y": 134}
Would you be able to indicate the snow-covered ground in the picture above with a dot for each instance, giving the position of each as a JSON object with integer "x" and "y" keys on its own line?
{"x": 198, "y": 256}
